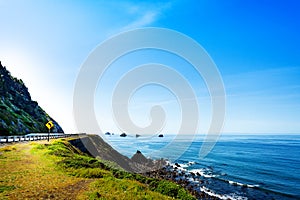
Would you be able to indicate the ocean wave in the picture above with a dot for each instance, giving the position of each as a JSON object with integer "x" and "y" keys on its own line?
{"x": 222, "y": 196}
{"x": 241, "y": 184}
{"x": 183, "y": 165}
{"x": 207, "y": 173}
{"x": 202, "y": 172}
{"x": 190, "y": 163}
{"x": 179, "y": 167}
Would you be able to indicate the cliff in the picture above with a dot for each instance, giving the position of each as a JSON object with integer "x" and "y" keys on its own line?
{"x": 19, "y": 114}
{"x": 95, "y": 146}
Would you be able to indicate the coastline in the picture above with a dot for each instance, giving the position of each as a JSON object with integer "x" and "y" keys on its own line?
{"x": 59, "y": 170}
{"x": 159, "y": 169}
{"x": 203, "y": 182}
{"x": 240, "y": 167}
{"x": 190, "y": 181}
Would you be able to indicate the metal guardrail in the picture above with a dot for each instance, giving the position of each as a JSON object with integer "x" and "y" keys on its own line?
{"x": 35, "y": 137}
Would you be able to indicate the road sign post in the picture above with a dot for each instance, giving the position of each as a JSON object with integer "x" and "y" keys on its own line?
{"x": 49, "y": 125}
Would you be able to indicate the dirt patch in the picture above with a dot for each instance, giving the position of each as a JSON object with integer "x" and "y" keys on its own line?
{"x": 77, "y": 188}
{"x": 70, "y": 192}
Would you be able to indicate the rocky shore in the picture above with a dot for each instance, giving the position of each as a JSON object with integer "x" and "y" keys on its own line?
{"x": 193, "y": 182}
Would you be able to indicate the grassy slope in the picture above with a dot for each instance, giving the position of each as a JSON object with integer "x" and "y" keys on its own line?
{"x": 60, "y": 171}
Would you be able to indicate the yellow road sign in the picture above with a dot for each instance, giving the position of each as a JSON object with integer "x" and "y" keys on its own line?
{"x": 49, "y": 125}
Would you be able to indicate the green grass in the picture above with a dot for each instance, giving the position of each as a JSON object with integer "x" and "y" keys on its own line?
{"x": 122, "y": 189}
{"x": 6, "y": 188}
{"x": 81, "y": 165}
{"x": 58, "y": 170}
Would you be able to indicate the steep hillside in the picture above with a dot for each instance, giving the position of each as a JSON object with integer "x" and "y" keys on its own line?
{"x": 18, "y": 113}
{"x": 95, "y": 146}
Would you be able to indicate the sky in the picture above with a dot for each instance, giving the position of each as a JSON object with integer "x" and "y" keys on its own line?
{"x": 254, "y": 44}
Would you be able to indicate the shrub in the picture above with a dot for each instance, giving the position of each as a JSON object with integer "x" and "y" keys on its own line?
{"x": 90, "y": 173}
{"x": 171, "y": 189}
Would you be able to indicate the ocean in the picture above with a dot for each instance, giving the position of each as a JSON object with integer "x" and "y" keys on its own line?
{"x": 238, "y": 167}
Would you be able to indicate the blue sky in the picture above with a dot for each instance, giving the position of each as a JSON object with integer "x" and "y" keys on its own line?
{"x": 255, "y": 44}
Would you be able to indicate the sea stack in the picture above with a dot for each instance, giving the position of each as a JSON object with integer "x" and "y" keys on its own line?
{"x": 123, "y": 135}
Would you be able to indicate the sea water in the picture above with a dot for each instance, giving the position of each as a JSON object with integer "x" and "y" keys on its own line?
{"x": 238, "y": 167}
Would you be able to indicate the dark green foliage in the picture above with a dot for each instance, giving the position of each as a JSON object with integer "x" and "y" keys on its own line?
{"x": 77, "y": 162}
{"x": 162, "y": 186}
{"x": 166, "y": 187}
{"x": 89, "y": 173}
{"x": 59, "y": 149}
{"x": 18, "y": 113}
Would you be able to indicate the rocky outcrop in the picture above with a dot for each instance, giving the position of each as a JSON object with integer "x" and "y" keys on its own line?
{"x": 95, "y": 146}
{"x": 20, "y": 115}
{"x": 138, "y": 157}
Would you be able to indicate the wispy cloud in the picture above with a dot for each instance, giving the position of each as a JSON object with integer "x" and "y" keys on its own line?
{"x": 144, "y": 14}
{"x": 137, "y": 15}
{"x": 147, "y": 19}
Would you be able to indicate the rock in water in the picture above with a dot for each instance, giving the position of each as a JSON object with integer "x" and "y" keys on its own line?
{"x": 20, "y": 115}
{"x": 123, "y": 135}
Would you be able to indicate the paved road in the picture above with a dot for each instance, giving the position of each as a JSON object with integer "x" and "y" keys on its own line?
{"x": 33, "y": 137}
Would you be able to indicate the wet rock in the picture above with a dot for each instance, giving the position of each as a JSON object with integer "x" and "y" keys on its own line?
{"x": 177, "y": 165}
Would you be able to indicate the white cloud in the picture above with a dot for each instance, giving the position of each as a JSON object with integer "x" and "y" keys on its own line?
{"x": 146, "y": 19}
